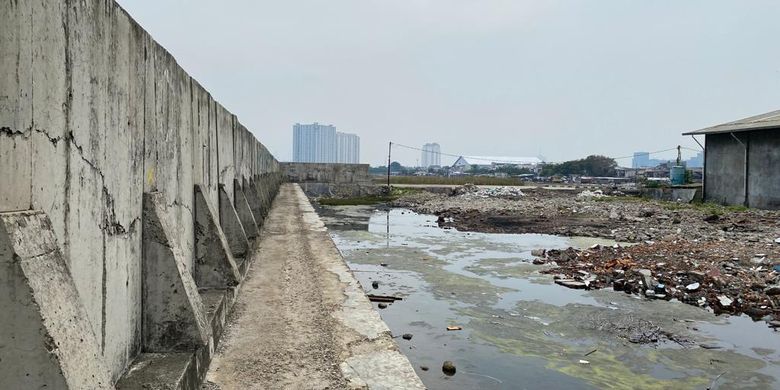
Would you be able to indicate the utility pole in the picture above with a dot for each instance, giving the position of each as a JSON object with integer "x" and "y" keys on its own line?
{"x": 389, "y": 152}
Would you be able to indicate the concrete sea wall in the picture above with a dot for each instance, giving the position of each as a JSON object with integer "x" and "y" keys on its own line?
{"x": 326, "y": 179}
{"x": 93, "y": 114}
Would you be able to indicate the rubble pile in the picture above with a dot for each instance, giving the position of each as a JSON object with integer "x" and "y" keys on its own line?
{"x": 470, "y": 191}
{"x": 727, "y": 278}
{"x": 622, "y": 218}
{"x": 727, "y": 259}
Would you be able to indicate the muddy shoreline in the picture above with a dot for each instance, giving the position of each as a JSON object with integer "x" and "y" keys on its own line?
{"x": 726, "y": 259}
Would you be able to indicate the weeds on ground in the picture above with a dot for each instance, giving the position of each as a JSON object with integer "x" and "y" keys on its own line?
{"x": 367, "y": 199}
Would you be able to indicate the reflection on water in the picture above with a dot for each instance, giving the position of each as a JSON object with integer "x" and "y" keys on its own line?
{"x": 522, "y": 331}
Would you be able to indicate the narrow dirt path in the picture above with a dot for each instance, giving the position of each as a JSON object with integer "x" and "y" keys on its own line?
{"x": 281, "y": 333}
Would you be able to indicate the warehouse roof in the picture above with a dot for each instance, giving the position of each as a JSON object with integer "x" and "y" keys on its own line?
{"x": 498, "y": 160}
{"x": 770, "y": 120}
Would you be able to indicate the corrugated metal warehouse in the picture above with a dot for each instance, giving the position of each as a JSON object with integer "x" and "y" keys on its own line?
{"x": 742, "y": 161}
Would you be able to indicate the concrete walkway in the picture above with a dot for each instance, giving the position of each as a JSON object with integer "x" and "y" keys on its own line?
{"x": 301, "y": 320}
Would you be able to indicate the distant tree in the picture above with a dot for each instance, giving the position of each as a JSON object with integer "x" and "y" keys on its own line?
{"x": 589, "y": 166}
{"x": 513, "y": 170}
{"x": 395, "y": 166}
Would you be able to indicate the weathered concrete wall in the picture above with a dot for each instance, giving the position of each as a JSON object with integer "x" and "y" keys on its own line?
{"x": 93, "y": 113}
{"x": 725, "y": 169}
{"x": 725, "y": 174}
{"x": 324, "y": 179}
{"x": 764, "y": 169}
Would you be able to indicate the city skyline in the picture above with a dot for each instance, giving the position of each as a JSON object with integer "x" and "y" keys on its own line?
{"x": 573, "y": 77}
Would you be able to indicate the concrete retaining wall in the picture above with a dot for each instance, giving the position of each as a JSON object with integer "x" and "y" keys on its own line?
{"x": 93, "y": 114}
{"x": 325, "y": 179}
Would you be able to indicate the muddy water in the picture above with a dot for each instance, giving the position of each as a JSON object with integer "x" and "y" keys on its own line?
{"x": 520, "y": 331}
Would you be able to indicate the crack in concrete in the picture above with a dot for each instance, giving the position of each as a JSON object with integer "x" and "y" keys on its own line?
{"x": 13, "y": 133}
{"x": 71, "y": 140}
{"x": 53, "y": 140}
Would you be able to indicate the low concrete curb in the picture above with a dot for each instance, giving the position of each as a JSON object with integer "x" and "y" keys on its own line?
{"x": 374, "y": 360}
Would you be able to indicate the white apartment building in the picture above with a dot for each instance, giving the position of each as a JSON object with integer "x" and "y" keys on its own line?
{"x": 348, "y": 148}
{"x": 315, "y": 143}
{"x": 431, "y": 155}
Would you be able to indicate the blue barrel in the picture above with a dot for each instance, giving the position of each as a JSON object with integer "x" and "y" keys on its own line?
{"x": 677, "y": 175}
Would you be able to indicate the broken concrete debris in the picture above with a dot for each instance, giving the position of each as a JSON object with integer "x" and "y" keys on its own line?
{"x": 690, "y": 272}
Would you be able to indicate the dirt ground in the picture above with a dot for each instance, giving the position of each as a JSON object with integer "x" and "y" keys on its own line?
{"x": 285, "y": 307}
{"x": 725, "y": 258}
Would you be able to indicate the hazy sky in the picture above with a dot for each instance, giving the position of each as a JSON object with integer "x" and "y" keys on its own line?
{"x": 562, "y": 79}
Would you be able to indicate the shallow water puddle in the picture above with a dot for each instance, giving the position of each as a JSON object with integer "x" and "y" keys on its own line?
{"x": 522, "y": 331}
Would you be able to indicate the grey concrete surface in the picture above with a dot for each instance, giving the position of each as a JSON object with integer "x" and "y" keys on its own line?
{"x": 46, "y": 340}
{"x": 302, "y": 320}
{"x": 764, "y": 171}
{"x": 244, "y": 211}
{"x": 93, "y": 113}
{"x": 215, "y": 266}
{"x": 174, "y": 316}
{"x": 231, "y": 224}
{"x": 726, "y": 171}
{"x": 326, "y": 179}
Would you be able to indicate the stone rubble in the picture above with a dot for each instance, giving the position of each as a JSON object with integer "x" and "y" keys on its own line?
{"x": 726, "y": 259}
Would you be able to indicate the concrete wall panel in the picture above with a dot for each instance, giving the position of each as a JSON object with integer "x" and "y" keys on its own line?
{"x": 15, "y": 105}
{"x": 204, "y": 155}
{"x": 123, "y": 189}
{"x": 83, "y": 243}
{"x": 227, "y": 172}
{"x": 49, "y": 103}
{"x": 725, "y": 180}
{"x": 764, "y": 171}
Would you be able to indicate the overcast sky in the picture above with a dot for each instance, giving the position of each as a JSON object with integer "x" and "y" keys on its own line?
{"x": 562, "y": 79}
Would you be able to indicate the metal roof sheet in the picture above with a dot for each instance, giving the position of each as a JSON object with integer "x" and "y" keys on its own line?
{"x": 770, "y": 120}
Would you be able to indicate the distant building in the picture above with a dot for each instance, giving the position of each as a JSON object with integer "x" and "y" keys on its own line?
{"x": 315, "y": 143}
{"x": 348, "y": 148}
{"x": 696, "y": 161}
{"x": 431, "y": 155}
{"x": 741, "y": 161}
{"x": 641, "y": 160}
{"x": 465, "y": 163}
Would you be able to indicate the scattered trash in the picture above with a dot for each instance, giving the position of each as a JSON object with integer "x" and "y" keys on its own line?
{"x": 448, "y": 368}
{"x": 591, "y": 352}
{"x": 407, "y": 336}
{"x": 383, "y": 264}
{"x": 383, "y": 298}
{"x": 454, "y": 327}
{"x": 571, "y": 283}
{"x": 725, "y": 301}
{"x": 587, "y": 194}
{"x": 584, "y": 361}
{"x": 693, "y": 286}
{"x": 470, "y": 191}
